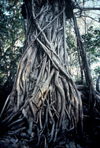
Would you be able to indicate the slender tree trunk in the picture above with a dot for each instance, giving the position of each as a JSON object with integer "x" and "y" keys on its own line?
{"x": 44, "y": 94}
{"x": 81, "y": 65}
{"x": 86, "y": 67}
{"x": 97, "y": 84}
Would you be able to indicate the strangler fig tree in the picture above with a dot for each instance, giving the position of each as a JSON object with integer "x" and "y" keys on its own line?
{"x": 44, "y": 99}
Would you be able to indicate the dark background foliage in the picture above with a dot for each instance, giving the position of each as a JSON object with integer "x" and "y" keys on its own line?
{"x": 11, "y": 42}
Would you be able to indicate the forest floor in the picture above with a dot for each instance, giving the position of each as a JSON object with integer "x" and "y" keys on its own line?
{"x": 90, "y": 138}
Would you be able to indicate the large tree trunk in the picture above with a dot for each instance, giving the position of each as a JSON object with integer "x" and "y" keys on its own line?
{"x": 44, "y": 95}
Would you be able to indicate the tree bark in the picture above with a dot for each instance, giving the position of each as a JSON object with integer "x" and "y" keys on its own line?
{"x": 88, "y": 77}
{"x": 97, "y": 84}
{"x": 44, "y": 94}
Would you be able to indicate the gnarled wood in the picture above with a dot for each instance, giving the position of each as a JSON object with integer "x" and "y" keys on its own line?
{"x": 44, "y": 97}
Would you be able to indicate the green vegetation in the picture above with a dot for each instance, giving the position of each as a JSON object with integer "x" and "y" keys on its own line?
{"x": 11, "y": 39}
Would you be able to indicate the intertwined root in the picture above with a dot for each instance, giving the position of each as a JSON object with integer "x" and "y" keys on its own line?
{"x": 44, "y": 99}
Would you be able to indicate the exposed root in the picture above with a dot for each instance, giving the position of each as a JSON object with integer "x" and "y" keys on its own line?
{"x": 44, "y": 100}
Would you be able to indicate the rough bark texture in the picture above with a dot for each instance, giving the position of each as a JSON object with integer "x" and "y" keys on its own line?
{"x": 44, "y": 100}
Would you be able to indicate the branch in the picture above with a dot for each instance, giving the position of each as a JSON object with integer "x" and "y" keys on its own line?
{"x": 87, "y": 8}
{"x": 90, "y": 8}
{"x": 90, "y": 18}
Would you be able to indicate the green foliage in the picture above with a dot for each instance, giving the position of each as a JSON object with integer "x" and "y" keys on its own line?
{"x": 97, "y": 70}
{"x": 11, "y": 30}
{"x": 92, "y": 44}
{"x": 71, "y": 42}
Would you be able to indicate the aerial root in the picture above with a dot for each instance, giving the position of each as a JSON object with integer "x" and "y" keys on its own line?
{"x": 49, "y": 100}
{"x": 48, "y": 119}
